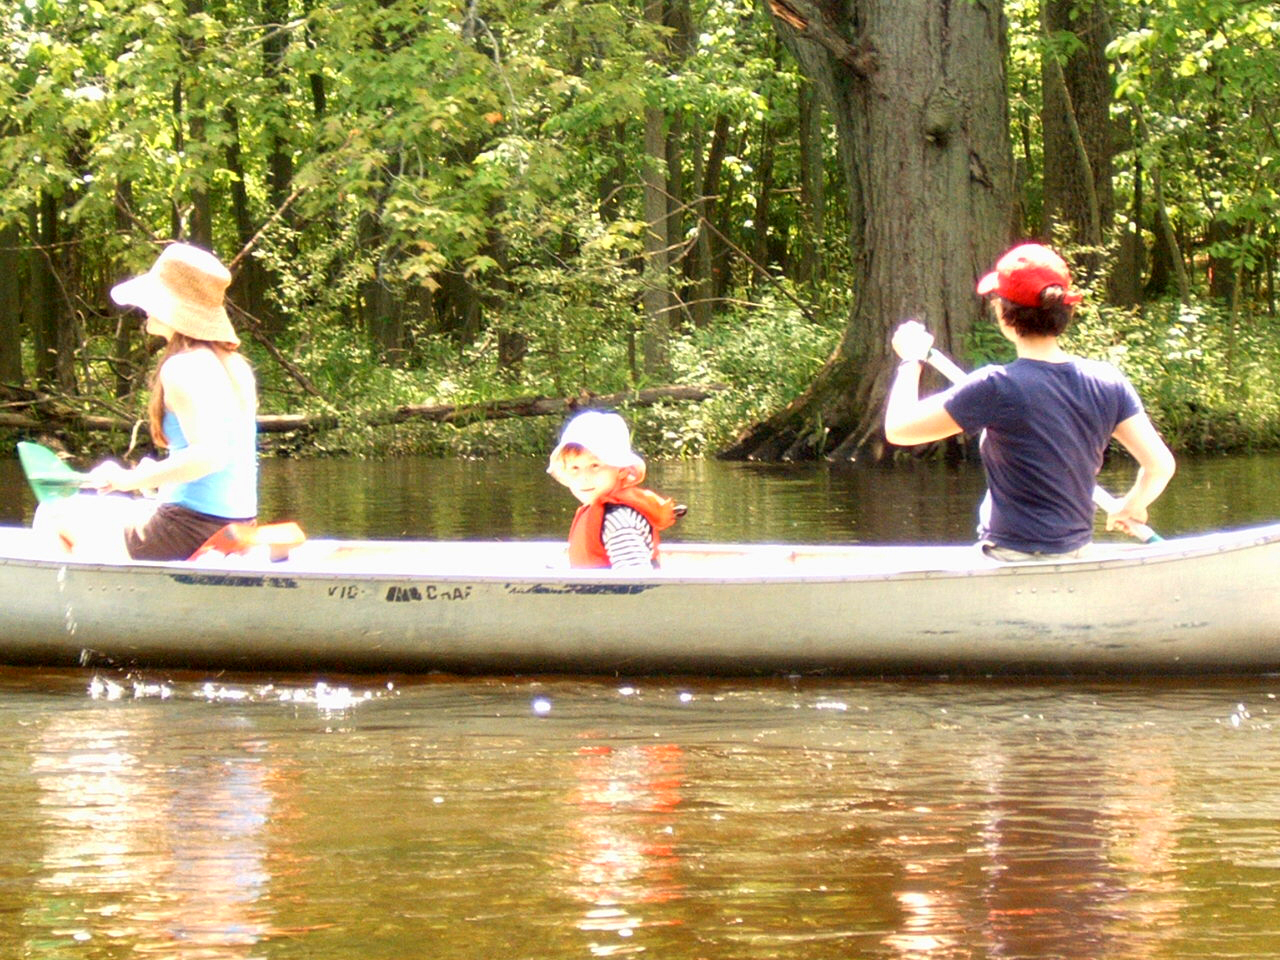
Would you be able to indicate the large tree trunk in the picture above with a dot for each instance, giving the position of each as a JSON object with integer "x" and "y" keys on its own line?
{"x": 813, "y": 196}
{"x": 917, "y": 91}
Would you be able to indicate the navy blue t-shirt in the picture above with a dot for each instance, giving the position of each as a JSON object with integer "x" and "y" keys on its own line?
{"x": 1046, "y": 428}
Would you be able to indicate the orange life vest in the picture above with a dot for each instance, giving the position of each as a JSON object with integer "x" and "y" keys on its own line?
{"x": 586, "y": 544}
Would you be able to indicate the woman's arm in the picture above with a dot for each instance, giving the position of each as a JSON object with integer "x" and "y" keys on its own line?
{"x": 1155, "y": 468}
{"x": 199, "y": 391}
{"x": 909, "y": 419}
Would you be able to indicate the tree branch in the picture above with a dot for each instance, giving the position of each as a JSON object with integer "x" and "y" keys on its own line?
{"x": 811, "y": 22}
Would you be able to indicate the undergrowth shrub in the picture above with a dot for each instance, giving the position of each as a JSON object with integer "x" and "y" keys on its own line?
{"x": 1208, "y": 382}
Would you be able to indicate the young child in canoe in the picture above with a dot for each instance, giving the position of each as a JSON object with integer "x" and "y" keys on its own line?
{"x": 619, "y": 521}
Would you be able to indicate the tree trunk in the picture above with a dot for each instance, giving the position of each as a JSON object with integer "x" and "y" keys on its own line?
{"x": 249, "y": 288}
{"x": 41, "y": 412}
{"x": 764, "y": 201}
{"x": 706, "y": 258}
{"x": 813, "y": 196}
{"x": 1079, "y": 139}
{"x": 54, "y": 331}
{"x": 199, "y": 226}
{"x": 917, "y": 93}
{"x": 1171, "y": 250}
{"x": 128, "y": 368}
{"x": 656, "y": 297}
{"x": 11, "y": 306}
{"x": 1125, "y": 285}
{"x": 255, "y": 279}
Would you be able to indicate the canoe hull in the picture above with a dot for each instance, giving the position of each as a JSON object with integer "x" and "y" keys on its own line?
{"x": 1203, "y": 604}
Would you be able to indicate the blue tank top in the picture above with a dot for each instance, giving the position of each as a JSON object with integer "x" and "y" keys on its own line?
{"x": 231, "y": 492}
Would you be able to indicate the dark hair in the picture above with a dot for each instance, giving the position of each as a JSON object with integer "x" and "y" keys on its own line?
{"x": 1050, "y": 319}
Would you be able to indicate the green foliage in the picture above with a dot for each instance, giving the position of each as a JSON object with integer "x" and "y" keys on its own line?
{"x": 425, "y": 180}
{"x": 1209, "y": 382}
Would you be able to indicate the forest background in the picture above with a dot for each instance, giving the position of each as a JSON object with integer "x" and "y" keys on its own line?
{"x": 451, "y": 222}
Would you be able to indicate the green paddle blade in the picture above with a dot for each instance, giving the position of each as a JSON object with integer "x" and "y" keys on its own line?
{"x": 48, "y": 474}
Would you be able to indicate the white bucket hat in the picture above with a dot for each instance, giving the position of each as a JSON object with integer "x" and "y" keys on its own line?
{"x": 604, "y": 435}
{"x": 184, "y": 289}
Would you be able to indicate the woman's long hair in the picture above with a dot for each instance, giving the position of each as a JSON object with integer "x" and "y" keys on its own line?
{"x": 181, "y": 343}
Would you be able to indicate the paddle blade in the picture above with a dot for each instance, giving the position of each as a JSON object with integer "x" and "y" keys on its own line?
{"x": 49, "y": 476}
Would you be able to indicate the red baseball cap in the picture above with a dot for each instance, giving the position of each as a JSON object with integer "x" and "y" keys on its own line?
{"x": 1022, "y": 274}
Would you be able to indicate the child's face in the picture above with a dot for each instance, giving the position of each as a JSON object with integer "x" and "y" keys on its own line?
{"x": 587, "y": 477}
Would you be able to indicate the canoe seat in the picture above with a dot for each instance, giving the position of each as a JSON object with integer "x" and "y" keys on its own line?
{"x": 240, "y": 538}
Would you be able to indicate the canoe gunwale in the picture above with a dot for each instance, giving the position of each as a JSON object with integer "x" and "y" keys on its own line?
{"x": 779, "y": 567}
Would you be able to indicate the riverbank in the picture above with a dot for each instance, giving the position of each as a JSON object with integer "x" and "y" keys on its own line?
{"x": 1210, "y": 382}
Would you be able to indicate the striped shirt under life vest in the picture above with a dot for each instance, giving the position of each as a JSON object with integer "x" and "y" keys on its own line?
{"x": 627, "y": 536}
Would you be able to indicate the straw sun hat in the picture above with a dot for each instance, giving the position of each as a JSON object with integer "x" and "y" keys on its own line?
{"x": 184, "y": 289}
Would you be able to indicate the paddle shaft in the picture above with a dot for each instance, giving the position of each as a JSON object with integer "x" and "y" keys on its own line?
{"x": 1104, "y": 500}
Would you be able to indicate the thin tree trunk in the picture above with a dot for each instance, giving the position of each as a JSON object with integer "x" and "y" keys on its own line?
{"x": 656, "y": 297}
{"x": 11, "y": 306}
{"x": 705, "y": 253}
{"x": 127, "y": 371}
{"x": 764, "y": 197}
{"x": 1124, "y": 285}
{"x": 200, "y": 223}
{"x": 249, "y": 288}
{"x": 53, "y": 369}
{"x": 1164, "y": 227}
{"x": 1079, "y": 134}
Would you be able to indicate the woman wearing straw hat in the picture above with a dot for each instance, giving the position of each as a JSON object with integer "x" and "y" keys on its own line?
{"x": 202, "y": 409}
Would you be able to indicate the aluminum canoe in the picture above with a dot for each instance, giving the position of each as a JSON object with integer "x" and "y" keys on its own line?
{"x": 1205, "y": 603}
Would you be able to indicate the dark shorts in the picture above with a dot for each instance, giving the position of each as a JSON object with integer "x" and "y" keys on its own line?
{"x": 173, "y": 533}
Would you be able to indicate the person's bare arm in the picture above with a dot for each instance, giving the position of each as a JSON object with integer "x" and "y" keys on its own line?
{"x": 909, "y": 418}
{"x": 1155, "y": 468}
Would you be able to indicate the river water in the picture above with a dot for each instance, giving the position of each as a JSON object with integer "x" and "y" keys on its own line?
{"x": 210, "y": 816}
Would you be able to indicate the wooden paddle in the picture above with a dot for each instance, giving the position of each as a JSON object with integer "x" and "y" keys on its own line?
{"x": 48, "y": 474}
{"x": 1105, "y": 501}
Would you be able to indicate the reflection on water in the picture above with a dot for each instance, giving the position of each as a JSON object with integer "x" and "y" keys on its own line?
{"x": 559, "y": 818}
{"x": 167, "y": 859}
{"x": 622, "y": 846}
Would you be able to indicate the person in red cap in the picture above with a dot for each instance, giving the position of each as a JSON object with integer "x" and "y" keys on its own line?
{"x": 1046, "y": 418}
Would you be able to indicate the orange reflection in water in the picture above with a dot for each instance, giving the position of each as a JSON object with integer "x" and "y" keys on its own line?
{"x": 624, "y": 844}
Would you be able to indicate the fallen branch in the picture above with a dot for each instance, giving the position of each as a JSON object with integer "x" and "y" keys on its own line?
{"x": 42, "y": 415}
{"x": 492, "y": 410}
